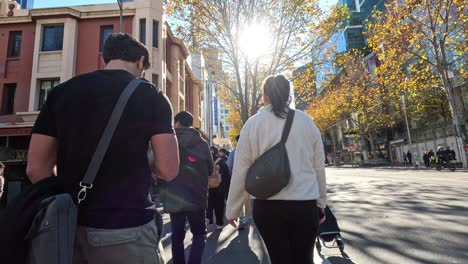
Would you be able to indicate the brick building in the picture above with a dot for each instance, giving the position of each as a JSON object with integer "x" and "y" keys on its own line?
{"x": 40, "y": 48}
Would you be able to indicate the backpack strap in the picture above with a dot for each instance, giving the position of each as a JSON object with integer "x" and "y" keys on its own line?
{"x": 106, "y": 137}
{"x": 287, "y": 126}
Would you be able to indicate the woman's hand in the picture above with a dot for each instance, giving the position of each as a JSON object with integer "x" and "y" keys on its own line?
{"x": 324, "y": 217}
{"x": 233, "y": 222}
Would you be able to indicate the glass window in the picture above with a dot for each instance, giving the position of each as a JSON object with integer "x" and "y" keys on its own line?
{"x": 45, "y": 89}
{"x": 14, "y": 44}
{"x": 105, "y": 32}
{"x": 8, "y": 99}
{"x": 52, "y": 38}
{"x": 143, "y": 31}
{"x": 155, "y": 33}
{"x": 155, "y": 79}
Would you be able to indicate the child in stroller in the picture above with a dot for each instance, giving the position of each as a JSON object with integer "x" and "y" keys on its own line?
{"x": 329, "y": 233}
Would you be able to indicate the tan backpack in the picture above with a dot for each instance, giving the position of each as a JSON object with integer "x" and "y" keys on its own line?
{"x": 215, "y": 179}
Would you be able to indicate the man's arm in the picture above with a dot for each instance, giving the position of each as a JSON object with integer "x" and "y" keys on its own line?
{"x": 166, "y": 156}
{"x": 42, "y": 157}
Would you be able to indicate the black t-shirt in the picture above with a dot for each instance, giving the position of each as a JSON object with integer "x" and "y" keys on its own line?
{"x": 76, "y": 113}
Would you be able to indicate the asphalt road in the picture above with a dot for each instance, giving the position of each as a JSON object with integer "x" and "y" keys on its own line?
{"x": 386, "y": 216}
{"x": 400, "y": 216}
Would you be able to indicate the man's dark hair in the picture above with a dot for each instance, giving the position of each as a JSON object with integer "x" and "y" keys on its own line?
{"x": 214, "y": 150}
{"x": 121, "y": 46}
{"x": 184, "y": 118}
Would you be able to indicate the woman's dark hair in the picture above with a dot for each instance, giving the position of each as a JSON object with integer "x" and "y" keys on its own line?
{"x": 277, "y": 88}
{"x": 121, "y": 46}
{"x": 184, "y": 118}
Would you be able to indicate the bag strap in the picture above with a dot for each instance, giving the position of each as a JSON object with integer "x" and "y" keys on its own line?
{"x": 106, "y": 137}
{"x": 287, "y": 126}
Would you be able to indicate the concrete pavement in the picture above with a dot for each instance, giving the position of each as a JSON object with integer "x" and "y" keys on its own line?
{"x": 223, "y": 246}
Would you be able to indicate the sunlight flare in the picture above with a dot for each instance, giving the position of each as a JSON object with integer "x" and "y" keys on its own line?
{"x": 255, "y": 40}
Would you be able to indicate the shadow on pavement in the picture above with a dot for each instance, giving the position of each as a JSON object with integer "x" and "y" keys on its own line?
{"x": 339, "y": 260}
{"x": 237, "y": 251}
{"x": 369, "y": 211}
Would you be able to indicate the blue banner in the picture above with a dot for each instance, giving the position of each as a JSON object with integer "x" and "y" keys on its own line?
{"x": 215, "y": 110}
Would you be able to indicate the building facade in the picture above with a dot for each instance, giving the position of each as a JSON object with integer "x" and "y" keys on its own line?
{"x": 40, "y": 48}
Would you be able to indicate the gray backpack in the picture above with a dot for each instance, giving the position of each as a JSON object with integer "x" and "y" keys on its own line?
{"x": 270, "y": 173}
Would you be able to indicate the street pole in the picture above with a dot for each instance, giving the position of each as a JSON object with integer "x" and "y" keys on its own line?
{"x": 119, "y": 2}
{"x": 210, "y": 106}
{"x": 406, "y": 120}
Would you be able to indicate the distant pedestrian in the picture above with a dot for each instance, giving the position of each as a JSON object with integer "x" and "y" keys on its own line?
{"x": 450, "y": 153}
{"x": 116, "y": 221}
{"x": 426, "y": 159}
{"x": 224, "y": 154}
{"x": 409, "y": 156}
{"x": 217, "y": 196}
{"x": 287, "y": 221}
{"x": 186, "y": 197}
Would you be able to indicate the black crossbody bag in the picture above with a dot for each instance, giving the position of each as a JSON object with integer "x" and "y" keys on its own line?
{"x": 270, "y": 173}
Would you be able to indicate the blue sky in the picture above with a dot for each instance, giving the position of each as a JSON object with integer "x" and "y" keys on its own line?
{"x": 56, "y": 3}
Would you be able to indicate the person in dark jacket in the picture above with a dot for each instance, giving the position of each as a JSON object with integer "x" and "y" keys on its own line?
{"x": 409, "y": 156}
{"x": 217, "y": 196}
{"x": 186, "y": 197}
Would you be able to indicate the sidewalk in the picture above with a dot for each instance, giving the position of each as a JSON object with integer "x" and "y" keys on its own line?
{"x": 230, "y": 246}
{"x": 224, "y": 246}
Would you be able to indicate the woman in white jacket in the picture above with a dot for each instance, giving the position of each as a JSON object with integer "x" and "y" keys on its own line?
{"x": 288, "y": 221}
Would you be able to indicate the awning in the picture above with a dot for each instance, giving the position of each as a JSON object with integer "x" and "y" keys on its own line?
{"x": 15, "y": 130}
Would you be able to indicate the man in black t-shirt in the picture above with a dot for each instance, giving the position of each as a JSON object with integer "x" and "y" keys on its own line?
{"x": 67, "y": 132}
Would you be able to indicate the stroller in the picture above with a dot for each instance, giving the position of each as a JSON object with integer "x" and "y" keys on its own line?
{"x": 329, "y": 234}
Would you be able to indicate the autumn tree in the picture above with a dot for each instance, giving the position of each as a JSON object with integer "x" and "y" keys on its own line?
{"x": 356, "y": 95}
{"x": 297, "y": 29}
{"x": 431, "y": 32}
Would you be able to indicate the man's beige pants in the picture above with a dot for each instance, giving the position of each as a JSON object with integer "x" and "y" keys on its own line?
{"x": 136, "y": 245}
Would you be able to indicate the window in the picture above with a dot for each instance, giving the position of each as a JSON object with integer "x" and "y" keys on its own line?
{"x": 52, "y": 38}
{"x": 45, "y": 89}
{"x": 143, "y": 31}
{"x": 105, "y": 32}
{"x": 8, "y": 99}
{"x": 14, "y": 44}
{"x": 155, "y": 79}
{"x": 155, "y": 34}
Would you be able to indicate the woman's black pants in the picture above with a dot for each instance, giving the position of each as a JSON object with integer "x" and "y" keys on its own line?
{"x": 288, "y": 228}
